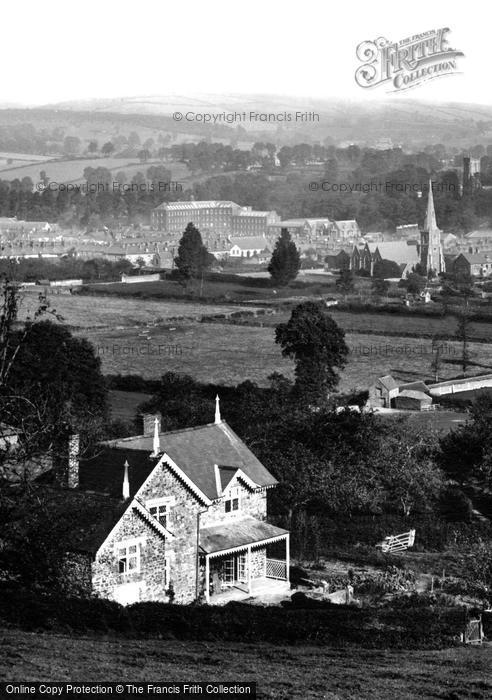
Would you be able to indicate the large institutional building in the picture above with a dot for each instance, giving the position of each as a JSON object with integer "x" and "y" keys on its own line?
{"x": 213, "y": 217}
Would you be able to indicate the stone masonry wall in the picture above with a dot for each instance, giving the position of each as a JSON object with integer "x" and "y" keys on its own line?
{"x": 181, "y": 550}
{"x": 251, "y": 503}
{"x": 105, "y": 575}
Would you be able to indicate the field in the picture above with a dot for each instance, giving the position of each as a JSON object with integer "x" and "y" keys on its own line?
{"x": 388, "y": 323}
{"x": 20, "y": 159}
{"x": 72, "y": 170}
{"x": 226, "y": 353}
{"x": 92, "y": 312}
{"x": 230, "y": 354}
{"x": 280, "y": 672}
{"x": 238, "y": 289}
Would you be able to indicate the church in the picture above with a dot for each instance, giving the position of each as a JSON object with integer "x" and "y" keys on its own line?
{"x": 431, "y": 253}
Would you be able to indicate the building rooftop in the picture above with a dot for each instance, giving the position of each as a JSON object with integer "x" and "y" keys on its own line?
{"x": 194, "y": 450}
{"x": 191, "y": 206}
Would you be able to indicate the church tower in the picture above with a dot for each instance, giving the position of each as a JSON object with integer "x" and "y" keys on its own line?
{"x": 431, "y": 255}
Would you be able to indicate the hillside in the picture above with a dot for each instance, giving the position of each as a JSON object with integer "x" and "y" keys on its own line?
{"x": 281, "y": 672}
{"x": 409, "y": 122}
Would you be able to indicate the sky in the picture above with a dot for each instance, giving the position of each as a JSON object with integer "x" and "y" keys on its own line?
{"x": 59, "y": 51}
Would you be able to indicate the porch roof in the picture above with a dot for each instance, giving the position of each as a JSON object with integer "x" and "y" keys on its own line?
{"x": 237, "y": 534}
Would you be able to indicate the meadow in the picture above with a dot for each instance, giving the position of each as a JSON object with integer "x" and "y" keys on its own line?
{"x": 230, "y": 354}
{"x": 301, "y": 672}
{"x": 72, "y": 170}
{"x": 117, "y": 312}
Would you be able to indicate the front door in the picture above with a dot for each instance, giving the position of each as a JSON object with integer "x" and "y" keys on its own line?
{"x": 234, "y": 570}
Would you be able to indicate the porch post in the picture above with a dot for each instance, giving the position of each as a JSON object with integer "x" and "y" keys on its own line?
{"x": 248, "y": 564}
{"x": 287, "y": 557}
{"x": 207, "y": 579}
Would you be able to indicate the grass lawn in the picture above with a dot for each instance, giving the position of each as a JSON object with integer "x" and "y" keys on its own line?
{"x": 240, "y": 289}
{"x": 384, "y": 323}
{"x": 91, "y": 312}
{"x": 280, "y": 672}
{"x": 230, "y": 354}
{"x": 72, "y": 170}
{"x": 124, "y": 404}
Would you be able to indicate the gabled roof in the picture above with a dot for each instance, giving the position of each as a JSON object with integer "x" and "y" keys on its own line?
{"x": 194, "y": 450}
{"x": 418, "y": 395}
{"x": 475, "y": 259}
{"x": 249, "y": 242}
{"x": 480, "y": 233}
{"x": 347, "y": 223}
{"x": 398, "y": 251}
{"x": 388, "y": 382}
{"x": 414, "y": 386}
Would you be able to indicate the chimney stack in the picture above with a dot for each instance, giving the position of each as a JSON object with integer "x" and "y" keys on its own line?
{"x": 156, "y": 444}
{"x": 148, "y": 423}
{"x": 72, "y": 468}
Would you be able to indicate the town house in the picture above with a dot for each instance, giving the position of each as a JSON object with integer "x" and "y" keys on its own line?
{"x": 179, "y": 516}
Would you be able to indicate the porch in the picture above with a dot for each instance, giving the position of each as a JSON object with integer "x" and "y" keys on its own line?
{"x": 244, "y": 559}
{"x": 263, "y": 591}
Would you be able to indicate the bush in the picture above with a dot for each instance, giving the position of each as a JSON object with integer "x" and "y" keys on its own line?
{"x": 299, "y": 622}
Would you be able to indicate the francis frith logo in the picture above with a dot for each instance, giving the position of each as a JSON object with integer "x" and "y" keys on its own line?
{"x": 407, "y": 63}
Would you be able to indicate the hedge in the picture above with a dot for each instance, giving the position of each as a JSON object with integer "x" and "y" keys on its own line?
{"x": 411, "y": 627}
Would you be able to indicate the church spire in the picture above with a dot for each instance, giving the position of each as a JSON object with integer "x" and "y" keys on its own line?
{"x": 430, "y": 222}
{"x": 217, "y": 410}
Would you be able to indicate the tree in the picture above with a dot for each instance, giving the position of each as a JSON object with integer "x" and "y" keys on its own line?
{"x": 414, "y": 283}
{"x": 380, "y": 287}
{"x": 386, "y": 269}
{"x": 436, "y": 362}
{"x": 144, "y": 155}
{"x": 107, "y": 149}
{"x": 71, "y": 145}
{"x": 58, "y": 378}
{"x": 345, "y": 282}
{"x": 462, "y": 334}
{"x": 285, "y": 262}
{"x": 193, "y": 257}
{"x": 92, "y": 147}
{"x": 318, "y": 347}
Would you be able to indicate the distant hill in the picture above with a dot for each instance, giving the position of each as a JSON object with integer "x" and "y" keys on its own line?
{"x": 406, "y": 122}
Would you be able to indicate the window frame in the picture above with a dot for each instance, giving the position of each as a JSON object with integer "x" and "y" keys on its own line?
{"x": 128, "y": 556}
{"x": 168, "y": 502}
{"x": 231, "y": 495}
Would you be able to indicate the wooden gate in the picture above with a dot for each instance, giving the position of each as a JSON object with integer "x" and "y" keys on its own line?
{"x": 473, "y": 632}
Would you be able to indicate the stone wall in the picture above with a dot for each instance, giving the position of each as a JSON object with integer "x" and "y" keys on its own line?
{"x": 253, "y": 504}
{"x": 181, "y": 550}
{"x": 105, "y": 575}
{"x": 258, "y": 563}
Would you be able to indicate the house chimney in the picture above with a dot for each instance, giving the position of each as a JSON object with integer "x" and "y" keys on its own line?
{"x": 148, "y": 421}
{"x": 126, "y": 483}
{"x": 156, "y": 444}
{"x": 73, "y": 461}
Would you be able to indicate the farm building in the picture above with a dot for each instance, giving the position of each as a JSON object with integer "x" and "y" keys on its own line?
{"x": 412, "y": 400}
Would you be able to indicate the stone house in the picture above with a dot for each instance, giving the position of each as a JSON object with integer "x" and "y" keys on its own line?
{"x": 472, "y": 265}
{"x": 182, "y": 518}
